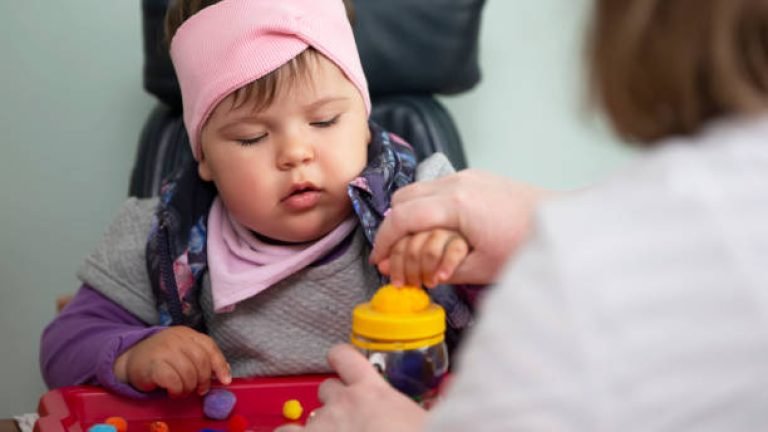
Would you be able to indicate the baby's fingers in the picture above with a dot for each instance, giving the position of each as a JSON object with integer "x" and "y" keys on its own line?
{"x": 218, "y": 363}
{"x": 432, "y": 254}
{"x": 383, "y": 266}
{"x": 397, "y": 261}
{"x": 413, "y": 259}
{"x": 198, "y": 354}
{"x": 441, "y": 254}
{"x": 454, "y": 253}
{"x": 170, "y": 377}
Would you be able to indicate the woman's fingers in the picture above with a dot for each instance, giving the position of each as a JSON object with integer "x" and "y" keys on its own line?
{"x": 429, "y": 189}
{"x": 329, "y": 389}
{"x": 351, "y": 366}
{"x": 290, "y": 428}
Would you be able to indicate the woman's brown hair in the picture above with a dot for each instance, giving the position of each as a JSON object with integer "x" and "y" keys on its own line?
{"x": 665, "y": 67}
{"x": 260, "y": 93}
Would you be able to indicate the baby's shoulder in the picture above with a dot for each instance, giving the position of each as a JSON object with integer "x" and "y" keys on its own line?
{"x": 434, "y": 166}
{"x": 135, "y": 214}
{"x": 131, "y": 224}
{"x": 139, "y": 207}
{"x": 117, "y": 266}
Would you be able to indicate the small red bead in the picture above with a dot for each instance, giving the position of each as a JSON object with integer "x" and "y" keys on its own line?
{"x": 237, "y": 423}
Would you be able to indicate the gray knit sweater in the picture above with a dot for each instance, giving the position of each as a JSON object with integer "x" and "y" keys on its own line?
{"x": 284, "y": 330}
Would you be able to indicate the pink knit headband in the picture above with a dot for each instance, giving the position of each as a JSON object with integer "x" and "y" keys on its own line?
{"x": 235, "y": 42}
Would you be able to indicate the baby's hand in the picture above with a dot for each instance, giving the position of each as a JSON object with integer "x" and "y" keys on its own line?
{"x": 177, "y": 359}
{"x": 428, "y": 258}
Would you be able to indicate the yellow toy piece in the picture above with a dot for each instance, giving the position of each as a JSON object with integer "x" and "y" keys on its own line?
{"x": 292, "y": 409}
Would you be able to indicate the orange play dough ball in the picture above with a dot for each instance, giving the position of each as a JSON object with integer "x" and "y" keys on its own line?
{"x": 118, "y": 422}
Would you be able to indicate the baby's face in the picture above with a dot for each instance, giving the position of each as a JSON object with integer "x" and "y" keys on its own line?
{"x": 283, "y": 171}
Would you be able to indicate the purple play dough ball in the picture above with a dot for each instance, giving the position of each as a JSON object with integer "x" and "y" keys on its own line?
{"x": 218, "y": 404}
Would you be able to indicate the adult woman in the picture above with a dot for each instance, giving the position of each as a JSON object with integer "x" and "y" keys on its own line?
{"x": 639, "y": 304}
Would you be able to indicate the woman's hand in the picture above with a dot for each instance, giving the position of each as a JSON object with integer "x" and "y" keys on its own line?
{"x": 177, "y": 359}
{"x": 492, "y": 213}
{"x": 361, "y": 401}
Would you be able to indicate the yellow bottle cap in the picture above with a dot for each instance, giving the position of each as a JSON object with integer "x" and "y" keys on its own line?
{"x": 398, "y": 318}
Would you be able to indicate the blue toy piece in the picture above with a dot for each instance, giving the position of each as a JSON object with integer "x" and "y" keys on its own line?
{"x": 102, "y": 427}
{"x": 218, "y": 404}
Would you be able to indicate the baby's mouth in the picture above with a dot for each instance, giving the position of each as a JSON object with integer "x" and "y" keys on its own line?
{"x": 301, "y": 188}
{"x": 302, "y": 196}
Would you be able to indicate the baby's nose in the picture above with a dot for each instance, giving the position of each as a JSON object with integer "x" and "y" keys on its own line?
{"x": 294, "y": 153}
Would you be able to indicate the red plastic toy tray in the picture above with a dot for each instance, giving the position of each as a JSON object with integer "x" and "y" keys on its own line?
{"x": 260, "y": 400}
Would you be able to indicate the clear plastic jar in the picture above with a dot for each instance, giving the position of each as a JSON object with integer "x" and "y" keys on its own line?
{"x": 403, "y": 335}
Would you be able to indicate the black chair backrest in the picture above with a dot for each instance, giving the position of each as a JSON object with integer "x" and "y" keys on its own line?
{"x": 410, "y": 50}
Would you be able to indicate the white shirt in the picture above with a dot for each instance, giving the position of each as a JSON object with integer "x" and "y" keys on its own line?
{"x": 639, "y": 305}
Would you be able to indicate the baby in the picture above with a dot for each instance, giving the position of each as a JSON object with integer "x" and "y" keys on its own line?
{"x": 251, "y": 260}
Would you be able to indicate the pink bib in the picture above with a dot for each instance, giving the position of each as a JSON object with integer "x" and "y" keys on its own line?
{"x": 242, "y": 266}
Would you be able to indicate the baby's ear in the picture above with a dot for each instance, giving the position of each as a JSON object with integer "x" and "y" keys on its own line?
{"x": 203, "y": 169}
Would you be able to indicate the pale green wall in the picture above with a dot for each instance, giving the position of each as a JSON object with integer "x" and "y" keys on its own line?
{"x": 527, "y": 118}
{"x": 71, "y": 107}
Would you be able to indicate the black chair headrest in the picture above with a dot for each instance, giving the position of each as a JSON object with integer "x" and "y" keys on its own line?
{"x": 406, "y": 46}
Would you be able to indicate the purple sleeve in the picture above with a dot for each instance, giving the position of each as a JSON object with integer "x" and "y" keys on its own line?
{"x": 81, "y": 344}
